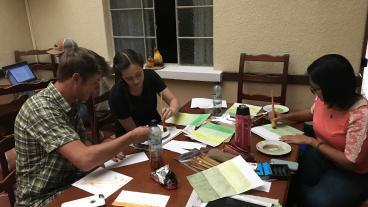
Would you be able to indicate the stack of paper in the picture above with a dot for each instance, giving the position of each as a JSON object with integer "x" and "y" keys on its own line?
{"x": 212, "y": 134}
{"x": 182, "y": 147}
{"x": 136, "y": 199}
{"x": 226, "y": 179}
{"x": 252, "y": 109}
{"x": 188, "y": 119}
{"x": 102, "y": 181}
{"x": 269, "y": 133}
{"x": 205, "y": 103}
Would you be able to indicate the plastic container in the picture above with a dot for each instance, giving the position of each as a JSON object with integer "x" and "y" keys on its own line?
{"x": 242, "y": 128}
{"x": 155, "y": 145}
{"x": 216, "y": 99}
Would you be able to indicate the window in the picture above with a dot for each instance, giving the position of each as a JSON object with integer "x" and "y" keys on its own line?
{"x": 182, "y": 30}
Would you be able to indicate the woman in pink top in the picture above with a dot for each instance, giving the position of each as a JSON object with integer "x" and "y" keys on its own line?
{"x": 334, "y": 170}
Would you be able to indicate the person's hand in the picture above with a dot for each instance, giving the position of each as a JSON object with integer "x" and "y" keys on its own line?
{"x": 118, "y": 157}
{"x": 299, "y": 139}
{"x": 140, "y": 134}
{"x": 167, "y": 113}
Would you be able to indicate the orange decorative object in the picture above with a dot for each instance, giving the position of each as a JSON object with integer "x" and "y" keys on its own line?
{"x": 150, "y": 63}
{"x": 157, "y": 58}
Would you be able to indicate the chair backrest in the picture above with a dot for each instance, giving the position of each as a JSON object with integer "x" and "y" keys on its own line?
{"x": 7, "y": 184}
{"x": 37, "y": 65}
{"x": 6, "y": 144}
{"x": 98, "y": 120}
{"x": 9, "y": 111}
{"x": 272, "y": 78}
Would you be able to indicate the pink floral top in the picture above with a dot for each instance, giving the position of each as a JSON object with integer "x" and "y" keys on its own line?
{"x": 344, "y": 130}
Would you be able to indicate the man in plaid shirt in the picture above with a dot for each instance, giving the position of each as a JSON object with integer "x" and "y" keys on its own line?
{"x": 51, "y": 149}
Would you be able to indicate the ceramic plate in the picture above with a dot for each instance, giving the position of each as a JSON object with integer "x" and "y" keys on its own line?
{"x": 272, "y": 147}
{"x": 278, "y": 108}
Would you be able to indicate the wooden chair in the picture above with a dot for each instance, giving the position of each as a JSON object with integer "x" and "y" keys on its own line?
{"x": 7, "y": 184}
{"x": 49, "y": 66}
{"x": 98, "y": 119}
{"x": 272, "y": 78}
{"x": 9, "y": 111}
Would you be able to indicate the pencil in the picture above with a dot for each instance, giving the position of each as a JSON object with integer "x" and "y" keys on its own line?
{"x": 273, "y": 123}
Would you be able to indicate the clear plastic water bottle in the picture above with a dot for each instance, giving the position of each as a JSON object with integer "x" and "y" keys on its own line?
{"x": 155, "y": 146}
{"x": 216, "y": 98}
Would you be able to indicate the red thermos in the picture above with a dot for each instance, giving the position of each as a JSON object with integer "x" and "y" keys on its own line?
{"x": 242, "y": 130}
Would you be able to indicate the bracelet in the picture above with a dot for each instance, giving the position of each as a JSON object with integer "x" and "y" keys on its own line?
{"x": 319, "y": 144}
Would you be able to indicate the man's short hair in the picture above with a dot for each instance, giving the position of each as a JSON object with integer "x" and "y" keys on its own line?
{"x": 82, "y": 61}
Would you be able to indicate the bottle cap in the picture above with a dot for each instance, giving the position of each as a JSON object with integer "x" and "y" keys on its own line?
{"x": 153, "y": 122}
{"x": 242, "y": 110}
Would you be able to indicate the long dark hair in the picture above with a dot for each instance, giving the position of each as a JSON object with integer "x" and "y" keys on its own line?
{"x": 334, "y": 75}
{"x": 123, "y": 59}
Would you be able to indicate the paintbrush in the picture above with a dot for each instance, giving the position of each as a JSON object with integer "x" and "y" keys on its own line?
{"x": 163, "y": 121}
{"x": 258, "y": 118}
{"x": 273, "y": 122}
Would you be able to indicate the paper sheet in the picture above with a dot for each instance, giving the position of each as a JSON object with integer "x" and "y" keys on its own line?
{"x": 212, "y": 134}
{"x": 195, "y": 201}
{"x": 263, "y": 201}
{"x": 265, "y": 187}
{"x": 102, "y": 181}
{"x": 187, "y": 145}
{"x": 226, "y": 179}
{"x": 205, "y": 103}
{"x": 269, "y": 133}
{"x": 128, "y": 160}
{"x": 137, "y": 199}
{"x": 188, "y": 119}
{"x": 173, "y": 148}
{"x": 182, "y": 147}
{"x": 252, "y": 109}
{"x": 364, "y": 90}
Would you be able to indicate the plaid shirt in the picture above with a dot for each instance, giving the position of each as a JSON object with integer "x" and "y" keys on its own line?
{"x": 45, "y": 123}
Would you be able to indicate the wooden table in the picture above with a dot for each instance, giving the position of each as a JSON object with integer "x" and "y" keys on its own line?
{"x": 142, "y": 181}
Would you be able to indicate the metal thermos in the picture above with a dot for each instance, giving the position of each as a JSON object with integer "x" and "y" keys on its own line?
{"x": 243, "y": 126}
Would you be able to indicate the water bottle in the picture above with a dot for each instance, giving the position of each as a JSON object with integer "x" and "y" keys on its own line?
{"x": 242, "y": 128}
{"x": 155, "y": 145}
{"x": 216, "y": 99}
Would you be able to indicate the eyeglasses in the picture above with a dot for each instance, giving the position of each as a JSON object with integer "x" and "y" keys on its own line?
{"x": 314, "y": 90}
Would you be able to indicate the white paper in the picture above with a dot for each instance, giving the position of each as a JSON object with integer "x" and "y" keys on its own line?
{"x": 265, "y": 187}
{"x": 128, "y": 160}
{"x": 265, "y": 134}
{"x": 137, "y": 198}
{"x": 364, "y": 90}
{"x": 173, "y": 148}
{"x": 205, "y": 103}
{"x": 186, "y": 144}
{"x": 195, "y": 201}
{"x": 90, "y": 201}
{"x": 248, "y": 172}
{"x": 263, "y": 201}
{"x": 102, "y": 181}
